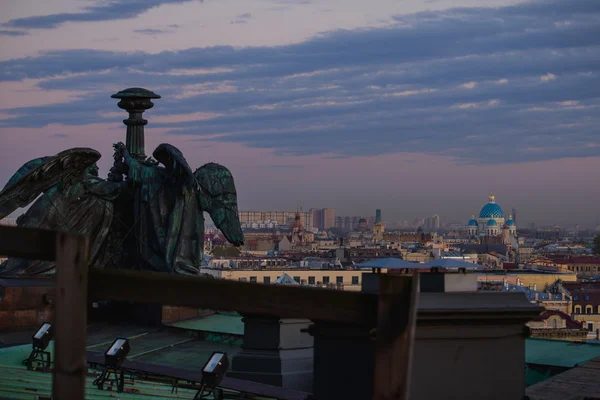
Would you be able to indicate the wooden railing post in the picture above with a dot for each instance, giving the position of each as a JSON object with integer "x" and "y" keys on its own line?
{"x": 364, "y": 360}
{"x": 395, "y": 335}
{"x": 70, "y": 318}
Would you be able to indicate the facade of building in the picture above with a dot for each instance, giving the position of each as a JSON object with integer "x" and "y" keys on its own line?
{"x": 557, "y": 325}
{"x": 346, "y": 279}
{"x": 585, "y": 303}
{"x": 280, "y": 217}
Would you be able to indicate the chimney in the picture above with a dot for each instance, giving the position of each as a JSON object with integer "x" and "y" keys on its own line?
{"x": 563, "y": 296}
{"x": 536, "y": 296}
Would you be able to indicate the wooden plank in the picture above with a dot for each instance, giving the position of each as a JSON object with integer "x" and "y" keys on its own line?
{"x": 33, "y": 244}
{"x": 397, "y": 312}
{"x": 70, "y": 366}
{"x": 226, "y": 295}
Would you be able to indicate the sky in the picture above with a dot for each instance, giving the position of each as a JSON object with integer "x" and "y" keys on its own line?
{"x": 415, "y": 107}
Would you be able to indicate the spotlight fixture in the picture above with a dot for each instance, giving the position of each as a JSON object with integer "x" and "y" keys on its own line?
{"x": 116, "y": 353}
{"x": 213, "y": 372}
{"x": 43, "y": 336}
{"x": 113, "y": 359}
{"x": 39, "y": 357}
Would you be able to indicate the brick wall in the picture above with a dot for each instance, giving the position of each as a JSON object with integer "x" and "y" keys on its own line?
{"x": 25, "y": 307}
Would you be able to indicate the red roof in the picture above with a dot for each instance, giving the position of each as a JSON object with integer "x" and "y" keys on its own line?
{"x": 576, "y": 260}
{"x": 582, "y": 286}
{"x": 570, "y": 323}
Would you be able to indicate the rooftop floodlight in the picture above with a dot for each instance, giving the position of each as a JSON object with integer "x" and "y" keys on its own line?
{"x": 43, "y": 336}
{"x": 213, "y": 372}
{"x": 39, "y": 357}
{"x": 116, "y": 353}
{"x": 113, "y": 360}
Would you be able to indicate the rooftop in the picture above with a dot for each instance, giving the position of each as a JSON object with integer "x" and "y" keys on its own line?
{"x": 576, "y": 383}
{"x": 167, "y": 348}
{"x": 559, "y": 353}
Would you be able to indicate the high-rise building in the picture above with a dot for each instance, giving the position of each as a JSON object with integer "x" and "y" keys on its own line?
{"x": 324, "y": 219}
{"x": 328, "y": 218}
{"x": 317, "y": 218}
{"x": 436, "y": 222}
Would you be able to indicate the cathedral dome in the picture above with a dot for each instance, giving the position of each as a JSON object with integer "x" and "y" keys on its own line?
{"x": 473, "y": 221}
{"x": 491, "y": 210}
{"x": 510, "y": 222}
{"x": 491, "y": 222}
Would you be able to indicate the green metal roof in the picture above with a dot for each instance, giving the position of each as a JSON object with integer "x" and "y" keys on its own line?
{"x": 20, "y": 383}
{"x": 559, "y": 353}
{"x": 218, "y": 323}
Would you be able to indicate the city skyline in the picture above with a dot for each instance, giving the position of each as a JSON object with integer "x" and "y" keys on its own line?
{"x": 417, "y": 108}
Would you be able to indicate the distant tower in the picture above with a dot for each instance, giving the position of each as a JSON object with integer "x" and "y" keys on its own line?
{"x": 514, "y": 215}
{"x": 378, "y": 226}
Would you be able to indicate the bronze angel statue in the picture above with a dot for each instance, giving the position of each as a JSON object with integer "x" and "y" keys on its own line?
{"x": 151, "y": 220}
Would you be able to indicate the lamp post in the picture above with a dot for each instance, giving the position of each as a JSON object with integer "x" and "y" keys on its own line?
{"x": 135, "y": 101}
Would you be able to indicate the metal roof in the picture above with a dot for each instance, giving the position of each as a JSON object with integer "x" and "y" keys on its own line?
{"x": 390, "y": 263}
{"x": 451, "y": 263}
{"x": 20, "y": 383}
{"x": 217, "y": 323}
{"x": 559, "y": 353}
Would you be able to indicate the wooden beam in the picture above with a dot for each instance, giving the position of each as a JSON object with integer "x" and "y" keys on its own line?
{"x": 33, "y": 244}
{"x": 220, "y": 294}
{"x": 70, "y": 366}
{"x": 397, "y": 312}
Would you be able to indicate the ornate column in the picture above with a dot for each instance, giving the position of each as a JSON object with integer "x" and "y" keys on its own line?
{"x": 135, "y": 101}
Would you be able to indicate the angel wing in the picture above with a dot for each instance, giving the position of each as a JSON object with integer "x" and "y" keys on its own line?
{"x": 218, "y": 196}
{"x": 41, "y": 174}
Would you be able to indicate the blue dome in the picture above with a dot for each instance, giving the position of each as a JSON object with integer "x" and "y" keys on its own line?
{"x": 491, "y": 210}
{"x": 473, "y": 222}
{"x": 491, "y": 222}
{"x": 510, "y": 222}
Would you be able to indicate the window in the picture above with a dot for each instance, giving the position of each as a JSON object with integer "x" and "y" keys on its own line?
{"x": 589, "y": 309}
{"x": 311, "y": 280}
{"x": 297, "y": 279}
{"x": 339, "y": 279}
{"x": 267, "y": 279}
{"x": 325, "y": 280}
{"x": 577, "y": 310}
{"x": 575, "y": 298}
{"x": 554, "y": 324}
{"x": 253, "y": 279}
{"x": 591, "y": 326}
{"x": 586, "y": 298}
{"x": 355, "y": 280}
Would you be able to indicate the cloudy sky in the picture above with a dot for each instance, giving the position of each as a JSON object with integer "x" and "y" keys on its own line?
{"x": 416, "y": 107}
